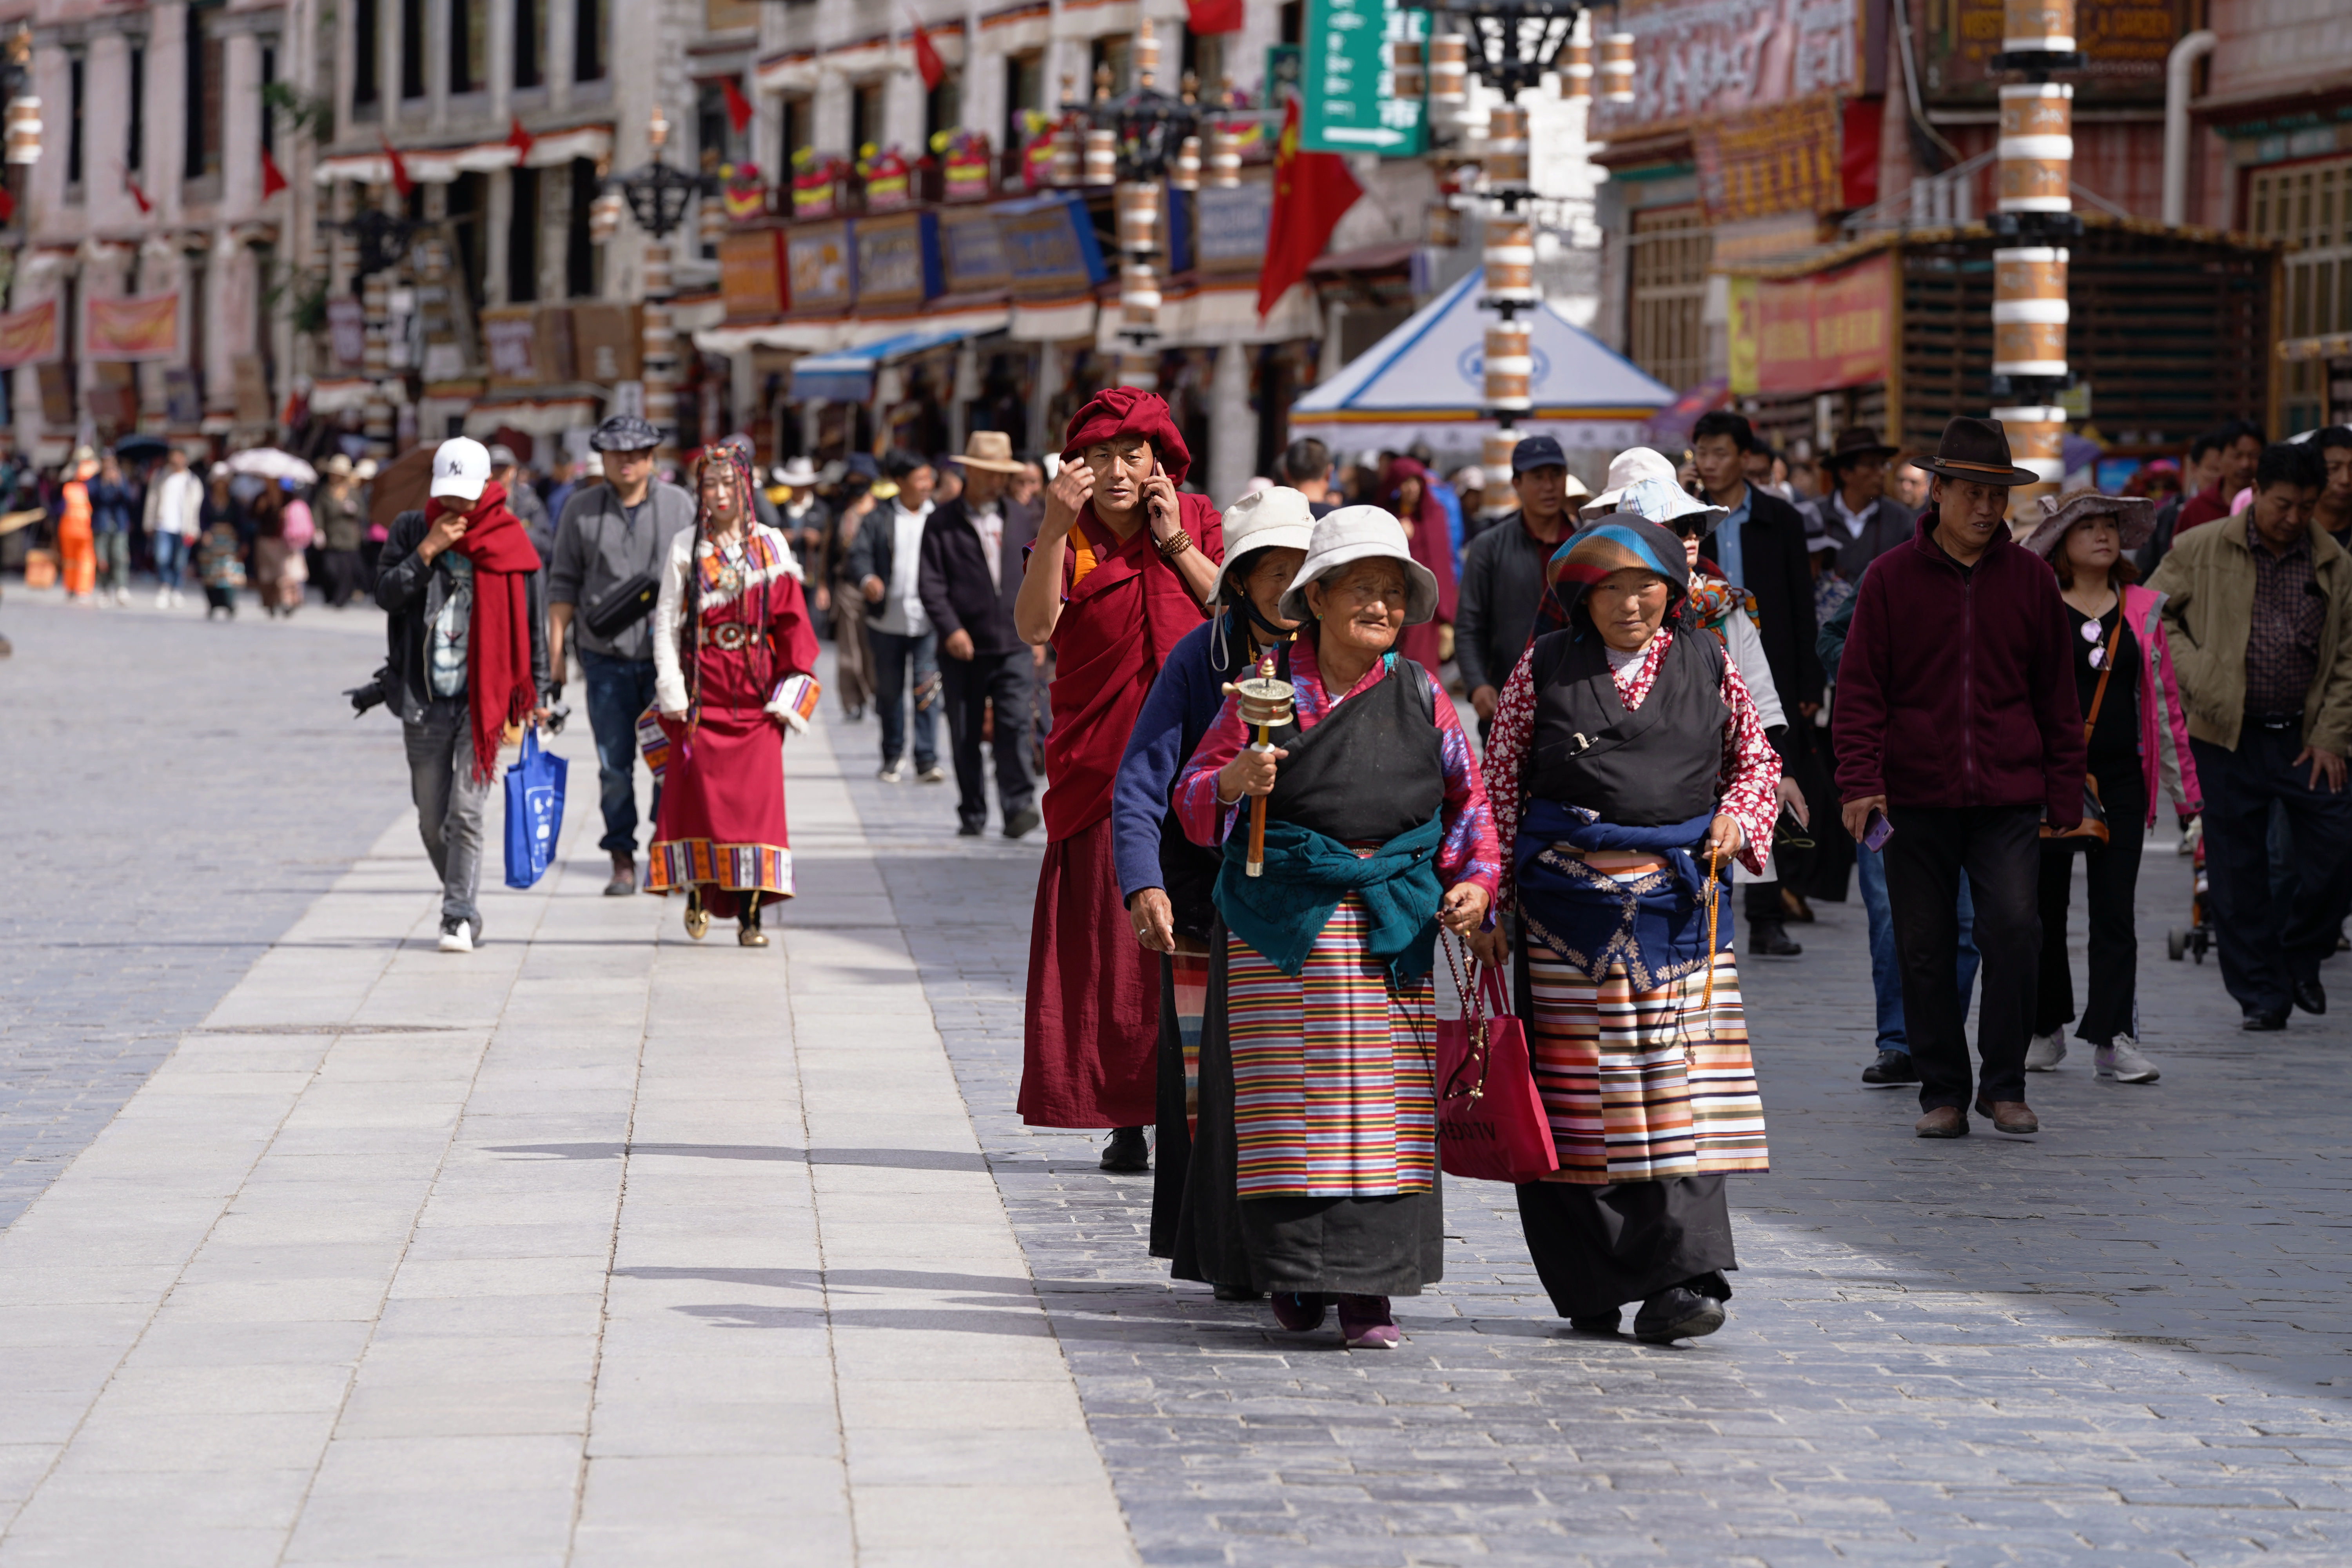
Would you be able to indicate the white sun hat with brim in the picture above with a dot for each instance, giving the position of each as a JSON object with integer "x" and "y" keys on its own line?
{"x": 1630, "y": 467}
{"x": 1356, "y": 533}
{"x": 1666, "y": 503}
{"x": 1275, "y": 518}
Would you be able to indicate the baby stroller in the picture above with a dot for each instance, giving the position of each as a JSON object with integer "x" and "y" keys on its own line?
{"x": 2197, "y": 936}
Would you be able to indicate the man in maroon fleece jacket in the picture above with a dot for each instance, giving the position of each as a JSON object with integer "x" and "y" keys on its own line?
{"x": 1956, "y": 719}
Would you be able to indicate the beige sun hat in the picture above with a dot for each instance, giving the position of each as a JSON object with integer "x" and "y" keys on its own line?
{"x": 1360, "y": 534}
{"x": 991, "y": 450}
{"x": 1275, "y": 518}
{"x": 2135, "y": 520}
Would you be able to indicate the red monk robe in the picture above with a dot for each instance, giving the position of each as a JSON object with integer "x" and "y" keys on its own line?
{"x": 1091, "y": 1028}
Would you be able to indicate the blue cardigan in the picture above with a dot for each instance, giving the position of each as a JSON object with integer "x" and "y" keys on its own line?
{"x": 1181, "y": 705}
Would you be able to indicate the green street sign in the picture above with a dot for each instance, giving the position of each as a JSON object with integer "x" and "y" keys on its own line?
{"x": 1350, "y": 103}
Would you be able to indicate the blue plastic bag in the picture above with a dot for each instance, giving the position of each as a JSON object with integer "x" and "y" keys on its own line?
{"x": 534, "y": 811}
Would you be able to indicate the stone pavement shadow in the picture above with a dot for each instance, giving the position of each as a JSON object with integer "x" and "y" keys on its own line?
{"x": 899, "y": 1159}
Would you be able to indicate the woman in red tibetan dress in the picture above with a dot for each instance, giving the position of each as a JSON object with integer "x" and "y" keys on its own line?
{"x": 732, "y": 653}
{"x": 1122, "y": 564}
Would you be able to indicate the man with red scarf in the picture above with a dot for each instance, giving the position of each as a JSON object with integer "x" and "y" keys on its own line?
{"x": 469, "y": 662}
{"x": 1122, "y": 564}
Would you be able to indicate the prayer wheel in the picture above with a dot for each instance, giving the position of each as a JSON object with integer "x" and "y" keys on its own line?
{"x": 1495, "y": 450}
{"x": 1067, "y": 157}
{"x": 1617, "y": 69}
{"x": 25, "y": 130}
{"x": 1138, "y": 216}
{"x": 1139, "y": 369}
{"x": 1510, "y": 260}
{"x": 1147, "y": 53}
{"x": 2029, "y": 311}
{"x": 2036, "y": 148}
{"x": 710, "y": 222}
{"x": 605, "y": 216}
{"x": 1576, "y": 73}
{"x": 1186, "y": 174}
{"x": 2037, "y": 437}
{"x": 1224, "y": 158}
{"x": 1507, "y": 146}
{"x": 1404, "y": 62}
{"x": 1509, "y": 367}
{"x": 1449, "y": 72}
{"x": 1139, "y": 294}
{"x": 1101, "y": 157}
{"x": 2037, "y": 27}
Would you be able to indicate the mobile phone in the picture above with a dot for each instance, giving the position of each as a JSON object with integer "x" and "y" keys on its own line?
{"x": 1876, "y": 831}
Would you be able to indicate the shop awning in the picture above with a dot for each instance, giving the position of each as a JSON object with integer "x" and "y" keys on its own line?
{"x": 1425, "y": 381}
{"x": 846, "y": 375}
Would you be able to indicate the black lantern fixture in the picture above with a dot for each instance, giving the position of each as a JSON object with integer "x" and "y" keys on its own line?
{"x": 382, "y": 238}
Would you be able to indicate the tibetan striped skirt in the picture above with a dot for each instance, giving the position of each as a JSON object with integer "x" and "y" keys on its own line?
{"x": 1643, "y": 1085}
{"x": 1331, "y": 1071}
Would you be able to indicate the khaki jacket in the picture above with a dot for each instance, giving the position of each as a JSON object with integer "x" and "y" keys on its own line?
{"x": 2209, "y": 580}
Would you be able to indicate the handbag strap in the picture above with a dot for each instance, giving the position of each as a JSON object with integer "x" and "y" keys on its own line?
{"x": 2106, "y": 668}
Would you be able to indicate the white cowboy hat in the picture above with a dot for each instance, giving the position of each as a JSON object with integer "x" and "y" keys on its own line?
{"x": 1360, "y": 534}
{"x": 1630, "y": 467}
{"x": 1275, "y": 518}
{"x": 799, "y": 474}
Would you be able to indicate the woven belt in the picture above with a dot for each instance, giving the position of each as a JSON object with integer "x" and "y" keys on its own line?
{"x": 727, "y": 635}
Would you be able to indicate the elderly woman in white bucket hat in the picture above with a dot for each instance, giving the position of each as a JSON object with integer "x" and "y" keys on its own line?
{"x": 1377, "y": 831}
{"x": 1164, "y": 879}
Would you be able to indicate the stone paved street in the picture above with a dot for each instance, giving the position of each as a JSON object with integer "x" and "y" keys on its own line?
{"x": 602, "y": 1245}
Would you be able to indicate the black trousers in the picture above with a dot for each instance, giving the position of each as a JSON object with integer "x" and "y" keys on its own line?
{"x": 2111, "y": 878}
{"x": 970, "y": 685}
{"x": 2268, "y": 945}
{"x": 345, "y": 572}
{"x": 1999, "y": 847}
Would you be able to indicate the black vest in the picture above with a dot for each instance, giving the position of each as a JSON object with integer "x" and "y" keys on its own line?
{"x": 1654, "y": 765}
{"x": 1372, "y": 768}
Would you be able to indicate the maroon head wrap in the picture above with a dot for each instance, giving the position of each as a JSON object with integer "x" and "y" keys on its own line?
{"x": 1125, "y": 411}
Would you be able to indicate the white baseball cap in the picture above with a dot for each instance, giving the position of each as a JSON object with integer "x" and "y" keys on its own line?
{"x": 461, "y": 467}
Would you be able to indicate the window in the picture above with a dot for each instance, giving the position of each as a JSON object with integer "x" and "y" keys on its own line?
{"x": 203, "y": 137}
{"x": 135, "y": 143}
{"x": 578, "y": 251}
{"x": 1672, "y": 250}
{"x": 365, "y": 29}
{"x": 943, "y": 107}
{"x": 466, "y": 210}
{"x": 522, "y": 237}
{"x": 866, "y": 120}
{"x": 800, "y": 130}
{"x": 2308, "y": 207}
{"x": 1116, "y": 51}
{"x": 77, "y": 75}
{"x": 1024, "y": 89}
{"x": 715, "y": 141}
{"x": 588, "y": 40}
{"x": 412, "y": 49}
{"x": 529, "y": 43}
{"x": 1293, "y": 21}
{"x": 470, "y": 45}
{"x": 1204, "y": 57}
{"x": 268, "y": 113}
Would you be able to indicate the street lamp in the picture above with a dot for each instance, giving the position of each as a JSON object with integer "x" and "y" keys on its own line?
{"x": 659, "y": 197}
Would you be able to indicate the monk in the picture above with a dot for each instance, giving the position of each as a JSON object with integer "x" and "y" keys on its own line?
{"x": 1122, "y": 566}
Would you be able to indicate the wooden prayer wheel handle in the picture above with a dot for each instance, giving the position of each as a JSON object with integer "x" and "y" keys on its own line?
{"x": 1266, "y": 703}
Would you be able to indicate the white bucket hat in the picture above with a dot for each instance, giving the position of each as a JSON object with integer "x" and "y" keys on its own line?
{"x": 1275, "y": 518}
{"x": 1630, "y": 467}
{"x": 1360, "y": 534}
{"x": 1666, "y": 503}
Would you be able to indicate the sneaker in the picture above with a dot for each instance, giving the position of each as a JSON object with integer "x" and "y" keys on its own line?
{"x": 2120, "y": 1059}
{"x": 2046, "y": 1052}
{"x": 178, "y": 599}
{"x": 933, "y": 775}
{"x": 891, "y": 773}
{"x": 456, "y": 936}
{"x": 163, "y": 598}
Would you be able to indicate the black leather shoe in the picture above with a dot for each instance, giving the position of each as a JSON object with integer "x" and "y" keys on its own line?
{"x": 2309, "y": 996}
{"x": 1891, "y": 1067}
{"x": 1238, "y": 1293}
{"x": 1127, "y": 1152}
{"x": 1771, "y": 940}
{"x": 968, "y": 829}
{"x": 1597, "y": 1323}
{"x": 2263, "y": 1022}
{"x": 1680, "y": 1313}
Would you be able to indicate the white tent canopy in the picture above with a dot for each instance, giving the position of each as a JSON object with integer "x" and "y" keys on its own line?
{"x": 1425, "y": 382}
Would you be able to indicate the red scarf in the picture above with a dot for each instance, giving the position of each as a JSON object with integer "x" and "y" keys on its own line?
{"x": 498, "y": 643}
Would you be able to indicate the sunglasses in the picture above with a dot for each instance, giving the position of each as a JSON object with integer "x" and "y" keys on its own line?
{"x": 1691, "y": 528}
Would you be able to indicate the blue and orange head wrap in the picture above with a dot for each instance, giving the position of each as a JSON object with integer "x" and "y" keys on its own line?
{"x": 1621, "y": 542}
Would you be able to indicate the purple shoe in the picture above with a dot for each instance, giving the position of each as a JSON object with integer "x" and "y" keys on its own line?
{"x": 1365, "y": 1323}
{"x": 1297, "y": 1310}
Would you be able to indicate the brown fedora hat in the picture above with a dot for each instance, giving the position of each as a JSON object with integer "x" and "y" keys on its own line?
{"x": 1859, "y": 442}
{"x": 991, "y": 450}
{"x": 1977, "y": 450}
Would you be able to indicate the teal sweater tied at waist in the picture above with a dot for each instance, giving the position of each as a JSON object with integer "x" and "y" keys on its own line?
{"x": 1280, "y": 913}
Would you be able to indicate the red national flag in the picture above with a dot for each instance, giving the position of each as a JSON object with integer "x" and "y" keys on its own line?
{"x": 273, "y": 180}
{"x": 400, "y": 180}
{"x": 519, "y": 139}
{"x": 1312, "y": 191}
{"x": 738, "y": 108}
{"x": 932, "y": 69}
{"x": 130, "y": 184}
{"x": 1213, "y": 17}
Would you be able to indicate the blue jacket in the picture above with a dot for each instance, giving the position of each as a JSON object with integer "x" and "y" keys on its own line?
{"x": 1181, "y": 705}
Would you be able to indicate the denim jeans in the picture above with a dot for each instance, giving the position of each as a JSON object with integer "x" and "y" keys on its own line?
{"x": 113, "y": 560}
{"x": 171, "y": 558}
{"x": 892, "y": 656}
{"x": 1886, "y": 977}
{"x": 619, "y": 690}
{"x": 440, "y": 743}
